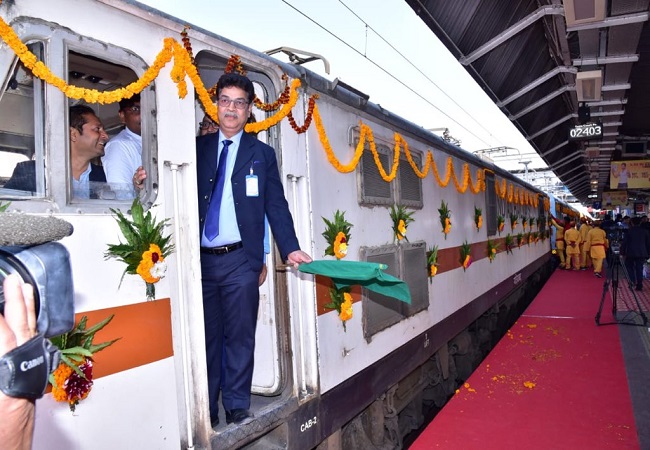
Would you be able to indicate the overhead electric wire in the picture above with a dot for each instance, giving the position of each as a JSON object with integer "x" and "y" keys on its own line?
{"x": 388, "y": 72}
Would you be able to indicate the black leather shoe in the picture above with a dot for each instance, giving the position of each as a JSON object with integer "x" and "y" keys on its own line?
{"x": 237, "y": 415}
{"x": 215, "y": 423}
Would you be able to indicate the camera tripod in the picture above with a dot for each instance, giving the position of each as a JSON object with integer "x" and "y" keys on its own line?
{"x": 614, "y": 267}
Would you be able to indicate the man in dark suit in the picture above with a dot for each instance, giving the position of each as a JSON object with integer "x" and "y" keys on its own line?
{"x": 636, "y": 249}
{"x": 238, "y": 183}
{"x": 87, "y": 140}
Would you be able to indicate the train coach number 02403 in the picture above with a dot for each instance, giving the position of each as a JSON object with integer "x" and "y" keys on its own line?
{"x": 586, "y": 132}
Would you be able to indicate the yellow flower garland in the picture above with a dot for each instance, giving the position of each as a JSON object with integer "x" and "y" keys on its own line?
{"x": 182, "y": 67}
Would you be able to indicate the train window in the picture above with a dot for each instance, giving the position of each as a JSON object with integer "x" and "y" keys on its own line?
{"x": 410, "y": 185}
{"x": 36, "y": 159}
{"x": 380, "y": 311}
{"x": 405, "y": 262}
{"x": 373, "y": 189}
{"x": 112, "y": 168}
{"x": 22, "y": 158}
{"x": 413, "y": 258}
{"x": 491, "y": 207}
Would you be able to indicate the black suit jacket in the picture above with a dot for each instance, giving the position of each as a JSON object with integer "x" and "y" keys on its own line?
{"x": 23, "y": 177}
{"x": 250, "y": 211}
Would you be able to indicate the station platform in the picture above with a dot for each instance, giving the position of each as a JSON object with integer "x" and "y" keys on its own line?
{"x": 557, "y": 380}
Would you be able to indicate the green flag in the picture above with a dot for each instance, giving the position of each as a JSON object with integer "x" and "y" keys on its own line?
{"x": 366, "y": 274}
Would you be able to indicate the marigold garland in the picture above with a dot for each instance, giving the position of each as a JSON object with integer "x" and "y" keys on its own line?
{"x": 308, "y": 117}
{"x": 186, "y": 43}
{"x": 282, "y": 99}
{"x": 183, "y": 66}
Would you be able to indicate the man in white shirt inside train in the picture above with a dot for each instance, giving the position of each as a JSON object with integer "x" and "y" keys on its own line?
{"x": 123, "y": 156}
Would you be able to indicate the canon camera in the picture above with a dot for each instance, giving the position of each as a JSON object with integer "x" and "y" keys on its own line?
{"x": 47, "y": 268}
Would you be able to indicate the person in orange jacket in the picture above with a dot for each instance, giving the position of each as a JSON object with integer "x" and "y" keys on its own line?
{"x": 598, "y": 244}
{"x": 585, "y": 257}
{"x": 572, "y": 241}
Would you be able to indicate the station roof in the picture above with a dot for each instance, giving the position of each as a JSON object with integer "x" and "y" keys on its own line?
{"x": 543, "y": 61}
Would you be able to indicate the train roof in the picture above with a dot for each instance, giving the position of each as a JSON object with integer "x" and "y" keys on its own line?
{"x": 527, "y": 54}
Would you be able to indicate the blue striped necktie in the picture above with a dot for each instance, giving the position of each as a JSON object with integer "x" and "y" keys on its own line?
{"x": 212, "y": 218}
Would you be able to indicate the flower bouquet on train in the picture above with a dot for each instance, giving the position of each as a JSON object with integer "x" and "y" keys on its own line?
{"x": 401, "y": 220}
{"x": 146, "y": 246}
{"x": 72, "y": 380}
{"x": 532, "y": 222}
{"x": 341, "y": 301}
{"x": 492, "y": 248}
{"x": 432, "y": 262}
{"x": 445, "y": 218}
{"x": 478, "y": 218}
{"x": 520, "y": 239}
{"x": 501, "y": 222}
{"x": 510, "y": 243}
{"x": 513, "y": 221}
{"x": 465, "y": 255}
{"x": 524, "y": 222}
{"x": 337, "y": 234}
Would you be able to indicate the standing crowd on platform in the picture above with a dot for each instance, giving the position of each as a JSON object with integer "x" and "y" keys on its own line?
{"x": 589, "y": 244}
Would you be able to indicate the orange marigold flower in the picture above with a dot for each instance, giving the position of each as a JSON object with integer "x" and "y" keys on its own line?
{"x": 340, "y": 245}
{"x": 401, "y": 230}
{"x": 433, "y": 270}
{"x": 346, "y": 307}
{"x": 467, "y": 261}
{"x": 149, "y": 259}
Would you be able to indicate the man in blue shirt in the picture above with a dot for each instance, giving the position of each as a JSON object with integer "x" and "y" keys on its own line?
{"x": 238, "y": 185}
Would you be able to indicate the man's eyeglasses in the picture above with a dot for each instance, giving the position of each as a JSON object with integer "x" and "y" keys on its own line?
{"x": 225, "y": 102}
{"x": 206, "y": 125}
{"x": 133, "y": 109}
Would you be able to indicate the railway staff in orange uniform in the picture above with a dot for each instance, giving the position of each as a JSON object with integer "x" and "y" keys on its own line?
{"x": 585, "y": 258}
{"x": 572, "y": 240}
{"x": 598, "y": 243}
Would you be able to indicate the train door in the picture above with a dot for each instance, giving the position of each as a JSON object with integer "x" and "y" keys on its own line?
{"x": 268, "y": 377}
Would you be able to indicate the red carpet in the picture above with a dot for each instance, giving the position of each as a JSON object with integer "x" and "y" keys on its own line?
{"x": 555, "y": 381}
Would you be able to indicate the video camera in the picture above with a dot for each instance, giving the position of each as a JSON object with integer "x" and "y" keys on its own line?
{"x": 615, "y": 235}
{"x": 47, "y": 268}
{"x": 26, "y": 249}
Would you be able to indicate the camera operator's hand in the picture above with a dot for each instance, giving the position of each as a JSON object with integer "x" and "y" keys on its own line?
{"x": 17, "y": 326}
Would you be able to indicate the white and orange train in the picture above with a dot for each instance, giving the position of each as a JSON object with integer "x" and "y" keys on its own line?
{"x": 316, "y": 382}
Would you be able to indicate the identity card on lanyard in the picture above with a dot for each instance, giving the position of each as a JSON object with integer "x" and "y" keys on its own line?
{"x": 252, "y": 190}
